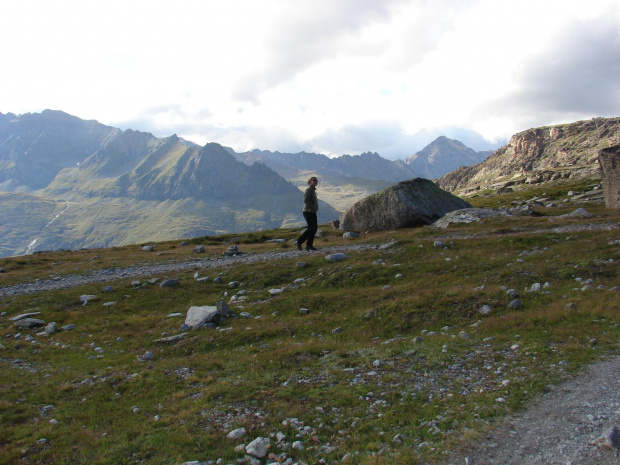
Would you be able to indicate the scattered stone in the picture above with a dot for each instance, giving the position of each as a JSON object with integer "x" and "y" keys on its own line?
{"x": 350, "y": 235}
{"x": 107, "y": 289}
{"x": 304, "y": 311}
{"x": 536, "y": 287}
{"x": 169, "y": 283}
{"x": 337, "y": 330}
{"x": 513, "y": 294}
{"x": 515, "y": 304}
{"x": 610, "y": 440}
{"x": 199, "y": 249}
{"x": 237, "y": 433}
{"x": 484, "y": 310}
{"x": 579, "y": 213}
{"x": 387, "y": 245}
{"x": 258, "y": 448}
{"x": 87, "y": 298}
{"x": 336, "y": 257}
{"x": 28, "y": 323}
{"x": 302, "y": 264}
{"x": 70, "y": 327}
{"x": 51, "y": 328}
{"x": 184, "y": 244}
{"x": 440, "y": 245}
{"x": 170, "y": 339}
{"x": 24, "y": 315}
{"x": 148, "y": 356}
{"x": 233, "y": 250}
{"x": 233, "y": 284}
{"x": 218, "y": 280}
{"x": 200, "y": 316}
{"x": 276, "y": 241}
{"x": 224, "y": 309}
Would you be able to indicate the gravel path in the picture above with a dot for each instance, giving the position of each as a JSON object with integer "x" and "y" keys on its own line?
{"x": 561, "y": 428}
{"x": 134, "y": 272}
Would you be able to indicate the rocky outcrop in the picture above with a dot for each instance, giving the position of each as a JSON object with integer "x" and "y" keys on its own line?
{"x": 408, "y": 204}
{"x": 539, "y": 155}
{"x": 609, "y": 160}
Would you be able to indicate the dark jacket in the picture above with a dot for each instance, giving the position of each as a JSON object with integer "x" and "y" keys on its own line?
{"x": 311, "y": 203}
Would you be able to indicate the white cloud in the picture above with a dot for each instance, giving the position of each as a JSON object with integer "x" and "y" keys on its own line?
{"x": 337, "y": 76}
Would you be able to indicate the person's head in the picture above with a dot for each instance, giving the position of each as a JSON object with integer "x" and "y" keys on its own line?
{"x": 313, "y": 181}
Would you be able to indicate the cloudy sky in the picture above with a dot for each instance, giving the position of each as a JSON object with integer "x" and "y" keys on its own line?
{"x": 326, "y": 76}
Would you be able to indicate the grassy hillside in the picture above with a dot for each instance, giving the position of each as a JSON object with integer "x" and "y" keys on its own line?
{"x": 381, "y": 358}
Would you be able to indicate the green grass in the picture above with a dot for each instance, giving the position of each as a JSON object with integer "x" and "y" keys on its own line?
{"x": 356, "y": 389}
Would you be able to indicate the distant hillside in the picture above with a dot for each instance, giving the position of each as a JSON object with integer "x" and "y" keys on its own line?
{"x": 95, "y": 186}
{"x": 538, "y": 155}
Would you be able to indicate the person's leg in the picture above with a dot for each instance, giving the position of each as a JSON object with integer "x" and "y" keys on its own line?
{"x": 313, "y": 227}
{"x": 306, "y": 233}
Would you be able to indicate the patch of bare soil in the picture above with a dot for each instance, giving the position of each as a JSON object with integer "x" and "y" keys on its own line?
{"x": 575, "y": 423}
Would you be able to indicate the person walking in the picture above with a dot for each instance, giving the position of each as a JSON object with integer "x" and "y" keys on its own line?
{"x": 311, "y": 206}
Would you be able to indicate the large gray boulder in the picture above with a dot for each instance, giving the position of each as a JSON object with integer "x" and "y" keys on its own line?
{"x": 609, "y": 159}
{"x": 408, "y": 204}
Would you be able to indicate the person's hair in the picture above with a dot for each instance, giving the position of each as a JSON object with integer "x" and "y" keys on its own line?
{"x": 311, "y": 179}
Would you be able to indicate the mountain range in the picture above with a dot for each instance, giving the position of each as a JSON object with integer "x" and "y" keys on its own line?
{"x": 68, "y": 183}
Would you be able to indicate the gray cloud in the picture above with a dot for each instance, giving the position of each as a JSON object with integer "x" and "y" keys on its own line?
{"x": 309, "y": 36}
{"x": 578, "y": 78}
{"x": 390, "y": 140}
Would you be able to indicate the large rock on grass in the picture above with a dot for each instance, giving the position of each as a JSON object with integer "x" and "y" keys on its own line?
{"x": 609, "y": 159}
{"x": 408, "y": 204}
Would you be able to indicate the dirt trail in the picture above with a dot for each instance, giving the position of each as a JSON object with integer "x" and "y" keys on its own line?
{"x": 560, "y": 428}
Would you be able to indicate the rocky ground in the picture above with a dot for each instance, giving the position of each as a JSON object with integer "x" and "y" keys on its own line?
{"x": 575, "y": 423}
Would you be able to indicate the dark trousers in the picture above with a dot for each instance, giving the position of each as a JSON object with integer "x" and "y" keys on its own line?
{"x": 308, "y": 234}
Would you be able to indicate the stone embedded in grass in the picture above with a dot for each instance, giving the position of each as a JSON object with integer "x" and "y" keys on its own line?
{"x": 27, "y": 323}
{"x": 258, "y": 448}
{"x": 350, "y": 235}
{"x": 199, "y": 316}
{"x": 169, "y": 283}
{"x": 512, "y": 293}
{"x": 148, "y": 248}
{"x": 199, "y": 249}
{"x": 224, "y": 309}
{"x": 485, "y": 310}
{"x": 171, "y": 339}
{"x": 536, "y": 287}
{"x": 304, "y": 311}
{"x": 440, "y": 245}
{"x": 51, "y": 328}
{"x": 515, "y": 304}
{"x": 24, "y": 315}
{"x": 237, "y": 433}
{"x": 336, "y": 257}
{"x": 87, "y": 298}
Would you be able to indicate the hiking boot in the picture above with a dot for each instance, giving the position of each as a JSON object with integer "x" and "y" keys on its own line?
{"x": 310, "y": 248}
{"x": 298, "y": 245}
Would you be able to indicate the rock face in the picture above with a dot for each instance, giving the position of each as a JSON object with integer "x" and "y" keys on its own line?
{"x": 609, "y": 160}
{"x": 538, "y": 155}
{"x": 408, "y": 204}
